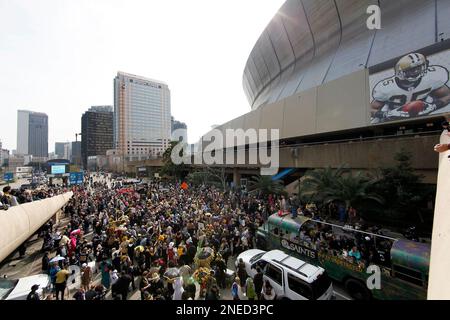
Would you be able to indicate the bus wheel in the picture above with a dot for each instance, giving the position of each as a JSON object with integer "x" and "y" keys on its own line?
{"x": 357, "y": 290}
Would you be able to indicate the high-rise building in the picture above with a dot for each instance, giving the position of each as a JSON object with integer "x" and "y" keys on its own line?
{"x": 62, "y": 150}
{"x": 96, "y": 132}
{"x": 59, "y": 149}
{"x": 141, "y": 116}
{"x": 182, "y": 134}
{"x": 14, "y": 162}
{"x": 4, "y": 157}
{"x": 76, "y": 153}
{"x": 67, "y": 151}
{"x": 32, "y": 133}
{"x": 52, "y": 156}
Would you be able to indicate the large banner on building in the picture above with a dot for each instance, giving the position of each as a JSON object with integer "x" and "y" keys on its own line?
{"x": 415, "y": 85}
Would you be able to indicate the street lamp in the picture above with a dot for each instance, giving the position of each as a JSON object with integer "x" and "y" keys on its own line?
{"x": 76, "y": 140}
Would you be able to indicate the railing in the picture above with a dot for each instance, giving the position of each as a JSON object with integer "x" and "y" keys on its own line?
{"x": 326, "y": 142}
{"x": 391, "y": 136}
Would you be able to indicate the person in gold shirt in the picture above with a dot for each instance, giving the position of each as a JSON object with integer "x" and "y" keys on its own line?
{"x": 61, "y": 282}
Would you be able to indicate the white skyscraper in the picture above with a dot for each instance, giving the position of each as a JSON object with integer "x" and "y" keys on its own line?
{"x": 142, "y": 125}
{"x": 32, "y": 133}
{"x": 22, "y": 131}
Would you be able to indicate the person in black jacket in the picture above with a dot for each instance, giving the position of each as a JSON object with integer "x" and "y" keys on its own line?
{"x": 213, "y": 293}
{"x": 33, "y": 295}
{"x": 221, "y": 268}
{"x": 45, "y": 262}
{"x": 258, "y": 281}
{"x": 122, "y": 285}
{"x": 156, "y": 284}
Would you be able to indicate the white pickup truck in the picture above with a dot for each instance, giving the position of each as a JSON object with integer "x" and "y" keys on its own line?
{"x": 20, "y": 288}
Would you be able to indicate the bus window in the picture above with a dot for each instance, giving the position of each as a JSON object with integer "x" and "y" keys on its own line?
{"x": 293, "y": 237}
{"x": 300, "y": 287}
{"x": 274, "y": 274}
{"x": 410, "y": 275}
{"x": 308, "y": 230}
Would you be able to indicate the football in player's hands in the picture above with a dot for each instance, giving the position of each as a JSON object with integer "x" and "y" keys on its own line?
{"x": 414, "y": 107}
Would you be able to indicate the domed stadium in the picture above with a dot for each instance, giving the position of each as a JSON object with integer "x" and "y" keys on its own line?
{"x": 340, "y": 91}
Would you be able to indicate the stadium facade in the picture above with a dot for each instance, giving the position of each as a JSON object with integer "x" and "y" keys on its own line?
{"x": 342, "y": 93}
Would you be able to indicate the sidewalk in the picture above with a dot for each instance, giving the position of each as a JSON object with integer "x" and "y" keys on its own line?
{"x": 15, "y": 267}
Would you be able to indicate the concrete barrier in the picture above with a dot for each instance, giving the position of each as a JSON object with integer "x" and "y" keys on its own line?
{"x": 439, "y": 278}
{"x": 19, "y": 223}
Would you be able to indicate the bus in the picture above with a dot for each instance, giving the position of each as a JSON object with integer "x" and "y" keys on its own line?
{"x": 403, "y": 264}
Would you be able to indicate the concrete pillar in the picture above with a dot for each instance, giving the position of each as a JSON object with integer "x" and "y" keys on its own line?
{"x": 439, "y": 279}
{"x": 236, "y": 177}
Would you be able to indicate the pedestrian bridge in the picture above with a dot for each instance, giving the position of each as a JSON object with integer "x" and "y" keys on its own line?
{"x": 19, "y": 223}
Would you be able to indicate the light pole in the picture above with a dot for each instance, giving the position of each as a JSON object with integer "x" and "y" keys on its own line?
{"x": 76, "y": 140}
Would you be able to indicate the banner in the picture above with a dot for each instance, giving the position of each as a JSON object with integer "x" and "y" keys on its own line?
{"x": 416, "y": 85}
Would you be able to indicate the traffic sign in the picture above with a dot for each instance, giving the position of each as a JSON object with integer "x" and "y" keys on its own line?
{"x": 76, "y": 178}
{"x": 8, "y": 176}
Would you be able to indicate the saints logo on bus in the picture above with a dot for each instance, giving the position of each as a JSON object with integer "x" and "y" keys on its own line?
{"x": 299, "y": 248}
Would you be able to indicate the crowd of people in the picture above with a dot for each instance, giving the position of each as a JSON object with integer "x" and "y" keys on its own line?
{"x": 170, "y": 242}
{"x": 163, "y": 240}
{"x": 10, "y": 197}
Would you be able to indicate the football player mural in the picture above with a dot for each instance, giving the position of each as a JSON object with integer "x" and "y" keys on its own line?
{"x": 417, "y": 88}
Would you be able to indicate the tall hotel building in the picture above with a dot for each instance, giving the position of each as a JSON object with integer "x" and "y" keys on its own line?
{"x": 32, "y": 133}
{"x": 142, "y": 125}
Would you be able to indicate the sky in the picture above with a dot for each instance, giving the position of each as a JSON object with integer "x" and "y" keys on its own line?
{"x": 61, "y": 56}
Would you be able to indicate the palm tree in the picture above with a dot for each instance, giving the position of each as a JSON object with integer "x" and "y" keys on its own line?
{"x": 351, "y": 189}
{"x": 314, "y": 182}
{"x": 265, "y": 185}
{"x": 177, "y": 171}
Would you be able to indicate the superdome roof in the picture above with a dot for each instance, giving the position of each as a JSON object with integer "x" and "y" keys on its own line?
{"x": 311, "y": 42}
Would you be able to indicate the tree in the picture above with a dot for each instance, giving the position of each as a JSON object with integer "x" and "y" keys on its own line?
{"x": 316, "y": 181}
{"x": 351, "y": 189}
{"x": 178, "y": 171}
{"x": 198, "y": 177}
{"x": 265, "y": 185}
{"x": 209, "y": 176}
{"x": 324, "y": 186}
{"x": 219, "y": 175}
{"x": 402, "y": 189}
